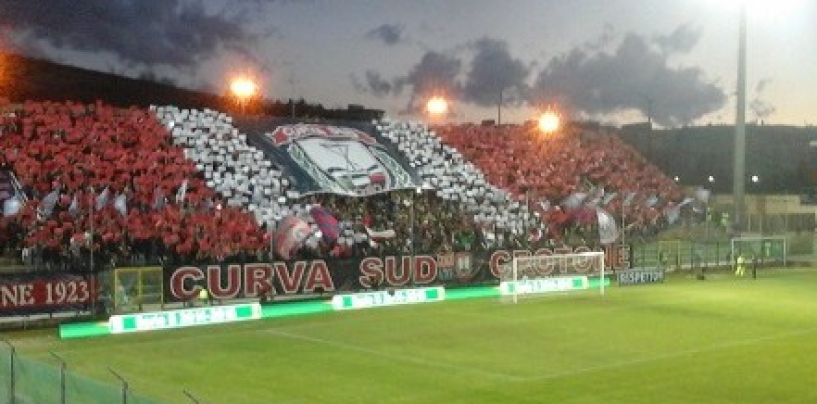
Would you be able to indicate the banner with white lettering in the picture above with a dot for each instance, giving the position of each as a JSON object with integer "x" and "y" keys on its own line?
{"x": 26, "y": 294}
{"x": 330, "y": 276}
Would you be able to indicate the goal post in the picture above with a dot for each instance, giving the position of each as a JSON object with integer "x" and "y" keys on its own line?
{"x": 669, "y": 255}
{"x": 132, "y": 288}
{"x": 542, "y": 274}
{"x": 760, "y": 250}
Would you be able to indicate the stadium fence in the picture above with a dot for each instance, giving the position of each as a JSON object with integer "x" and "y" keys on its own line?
{"x": 28, "y": 381}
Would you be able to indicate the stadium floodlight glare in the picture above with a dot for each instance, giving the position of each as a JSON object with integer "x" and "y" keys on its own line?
{"x": 243, "y": 87}
{"x": 437, "y": 106}
{"x": 549, "y": 121}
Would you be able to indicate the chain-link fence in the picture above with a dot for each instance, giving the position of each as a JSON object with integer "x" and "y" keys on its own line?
{"x": 27, "y": 381}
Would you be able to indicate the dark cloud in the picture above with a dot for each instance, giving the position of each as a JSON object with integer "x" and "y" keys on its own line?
{"x": 607, "y": 36}
{"x": 681, "y": 40}
{"x": 436, "y": 73}
{"x": 760, "y": 108}
{"x": 636, "y": 76}
{"x": 762, "y": 84}
{"x": 492, "y": 71}
{"x": 377, "y": 85}
{"x": 174, "y": 33}
{"x": 390, "y": 34}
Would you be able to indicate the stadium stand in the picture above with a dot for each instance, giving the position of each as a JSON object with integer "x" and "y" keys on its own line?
{"x": 186, "y": 186}
{"x": 564, "y": 174}
{"x": 98, "y": 178}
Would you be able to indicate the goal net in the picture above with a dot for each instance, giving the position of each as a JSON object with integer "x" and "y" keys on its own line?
{"x": 542, "y": 274}
{"x": 132, "y": 288}
{"x": 763, "y": 251}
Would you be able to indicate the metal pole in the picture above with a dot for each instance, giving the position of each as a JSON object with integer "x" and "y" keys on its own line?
{"x": 411, "y": 218}
{"x": 740, "y": 127}
{"x": 124, "y": 386}
{"x": 11, "y": 370}
{"x": 623, "y": 223}
{"x": 271, "y": 243}
{"x": 499, "y": 110}
{"x": 91, "y": 219}
{"x": 63, "y": 367}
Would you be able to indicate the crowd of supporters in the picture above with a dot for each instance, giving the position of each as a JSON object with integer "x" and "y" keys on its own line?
{"x": 594, "y": 166}
{"x": 107, "y": 185}
{"x": 102, "y": 180}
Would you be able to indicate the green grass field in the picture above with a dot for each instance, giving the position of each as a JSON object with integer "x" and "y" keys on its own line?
{"x": 723, "y": 340}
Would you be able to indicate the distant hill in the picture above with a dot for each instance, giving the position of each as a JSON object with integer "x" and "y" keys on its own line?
{"x": 23, "y": 78}
{"x": 781, "y": 156}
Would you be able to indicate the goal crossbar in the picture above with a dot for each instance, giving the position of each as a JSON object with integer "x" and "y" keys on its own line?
{"x": 540, "y": 274}
{"x": 765, "y": 248}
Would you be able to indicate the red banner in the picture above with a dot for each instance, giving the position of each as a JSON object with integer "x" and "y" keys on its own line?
{"x": 44, "y": 293}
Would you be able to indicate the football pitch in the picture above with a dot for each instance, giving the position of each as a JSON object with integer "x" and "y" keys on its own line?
{"x": 722, "y": 340}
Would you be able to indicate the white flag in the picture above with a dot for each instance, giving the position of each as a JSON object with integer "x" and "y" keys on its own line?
{"x": 608, "y": 229}
{"x": 120, "y": 203}
{"x": 703, "y": 194}
{"x": 673, "y": 214}
{"x": 181, "y": 192}
{"x": 102, "y": 199}
{"x": 48, "y": 204}
{"x": 73, "y": 209}
{"x": 574, "y": 200}
{"x": 11, "y": 206}
{"x": 158, "y": 199}
{"x": 628, "y": 199}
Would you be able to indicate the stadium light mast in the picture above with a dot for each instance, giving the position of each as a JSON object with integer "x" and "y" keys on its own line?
{"x": 739, "y": 169}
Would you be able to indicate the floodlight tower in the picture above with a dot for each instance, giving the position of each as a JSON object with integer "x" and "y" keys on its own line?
{"x": 739, "y": 169}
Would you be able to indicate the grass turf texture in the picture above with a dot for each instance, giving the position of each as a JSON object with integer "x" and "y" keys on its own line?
{"x": 715, "y": 341}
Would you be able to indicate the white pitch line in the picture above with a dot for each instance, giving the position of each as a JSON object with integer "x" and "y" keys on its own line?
{"x": 670, "y": 355}
{"x": 402, "y": 358}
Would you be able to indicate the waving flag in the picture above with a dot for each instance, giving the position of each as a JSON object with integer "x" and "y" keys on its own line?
{"x": 159, "y": 200}
{"x": 702, "y": 194}
{"x": 73, "y": 209}
{"x": 102, "y": 199}
{"x": 608, "y": 230}
{"x": 11, "y": 206}
{"x": 628, "y": 200}
{"x": 328, "y": 224}
{"x": 379, "y": 235}
{"x": 49, "y": 202}
{"x": 290, "y": 237}
{"x": 574, "y": 200}
{"x": 120, "y": 203}
{"x": 182, "y": 192}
